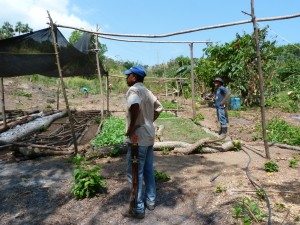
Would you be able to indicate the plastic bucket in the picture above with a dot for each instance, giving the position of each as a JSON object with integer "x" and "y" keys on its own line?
{"x": 235, "y": 103}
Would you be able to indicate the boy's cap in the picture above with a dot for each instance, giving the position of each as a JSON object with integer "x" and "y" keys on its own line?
{"x": 138, "y": 70}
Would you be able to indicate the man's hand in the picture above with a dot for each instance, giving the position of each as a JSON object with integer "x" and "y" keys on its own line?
{"x": 131, "y": 130}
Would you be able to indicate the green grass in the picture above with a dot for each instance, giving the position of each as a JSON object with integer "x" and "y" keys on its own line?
{"x": 236, "y": 114}
{"x": 166, "y": 115}
{"x": 181, "y": 129}
{"x": 169, "y": 105}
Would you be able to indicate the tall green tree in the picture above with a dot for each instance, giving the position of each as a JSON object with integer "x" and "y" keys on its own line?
{"x": 6, "y": 31}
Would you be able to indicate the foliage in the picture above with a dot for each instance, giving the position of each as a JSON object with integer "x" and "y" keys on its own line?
{"x": 247, "y": 211}
{"x": 115, "y": 152}
{"x": 199, "y": 117}
{"x": 112, "y": 133}
{"x": 260, "y": 193}
{"x": 166, "y": 115}
{"x": 169, "y": 105}
{"x": 25, "y": 94}
{"x": 7, "y": 30}
{"x": 165, "y": 150}
{"x": 234, "y": 113}
{"x": 293, "y": 162}
{"x": 88, "y": 182}
{"x": 235, "y": 62}
{"x": 237, "y": 146}
{"x": 275, "y": 128}
{"x": 271, "y": 166}
{"x": 220, "y": 189}
{"x": 280, "y": 207}
{"x": 161, "y": 176}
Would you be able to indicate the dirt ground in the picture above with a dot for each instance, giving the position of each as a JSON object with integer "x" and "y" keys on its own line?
{"x": 38, "y": 191}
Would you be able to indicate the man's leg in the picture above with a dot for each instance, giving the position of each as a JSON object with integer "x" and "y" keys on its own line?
{"x": 150, "y": 192}
{"x": 222, "y": 120}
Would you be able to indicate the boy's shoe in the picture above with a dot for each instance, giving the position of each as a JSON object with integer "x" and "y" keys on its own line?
{"x": 133, "y": 214}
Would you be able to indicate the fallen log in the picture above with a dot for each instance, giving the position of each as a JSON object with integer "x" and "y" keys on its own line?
{"x": 21, "y": 131}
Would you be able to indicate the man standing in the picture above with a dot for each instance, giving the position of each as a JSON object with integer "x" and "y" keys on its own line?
{"x": 222, "y": 95}
{"x": 143, "y": 109}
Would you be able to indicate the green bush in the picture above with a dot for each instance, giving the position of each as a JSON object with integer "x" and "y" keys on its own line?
{"x": 112, "y": 133}
{"x": 88, "y": 182}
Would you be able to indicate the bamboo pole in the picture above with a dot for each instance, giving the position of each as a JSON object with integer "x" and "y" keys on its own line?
{"x": 62, "y": 83}
{"x": 99, "y": 73}
{"x": 107, "y": 94}
{"x": 57, "y": 96}
{"x": 192, "y": 80}
{"x": 3, "y": 103}
{"x": 188, "y": 31}
{"x": 261, "y": 82}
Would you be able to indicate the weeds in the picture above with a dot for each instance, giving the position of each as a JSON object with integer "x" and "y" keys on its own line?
{"x": 88, "y": 182}
{"x": 234, "y": 114}
{"x": 220, "y": 189}
{"x": 237, "y": 146}
{"x": 271, "y": 166}
{"x": 166, "y": 115}
{"x": 293, "y": 162}
{"x": 199, "y": 117}
{"x": 260, "y": 193}
{"x": 24, "y": 94}
{"x": 165, "y": 150}
{"x": 247, "y": 211}
{"x": 115, "y": 152}
{"x": 161, "y": 176}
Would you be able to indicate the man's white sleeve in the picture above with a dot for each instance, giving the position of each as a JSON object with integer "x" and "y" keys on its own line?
{"x": 133, "y": 98}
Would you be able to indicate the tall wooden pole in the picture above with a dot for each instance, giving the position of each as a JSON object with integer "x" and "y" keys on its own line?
{"x": 99, "y": 74}
{"x": 3, "y": 103}
{"x": 57, "y": 96}
{"x": 261, "y": 82}
{"x": 192, "y": 80}
{"x": 63, "y": 84}
{"x": 107, "y": 94}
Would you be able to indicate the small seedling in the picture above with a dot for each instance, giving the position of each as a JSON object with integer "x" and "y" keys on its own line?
{"x": 161, "y": 176}
{"x": 280, "y": 207}
{"x": 220, "y": 189}
{"x": 297, "y": 219}
{"x": 261, "y": 194}
{"x": 165, "y": 151}
{"x": 293, "y": 162}
{"x": 271, "y": 166}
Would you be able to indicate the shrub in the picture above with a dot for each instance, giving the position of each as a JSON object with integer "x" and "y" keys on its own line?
{"x": 161, "y": 176}
{"x": 293, "y": 162}
{"x": 199, "y": 117}
{"x": 88, "y": 182}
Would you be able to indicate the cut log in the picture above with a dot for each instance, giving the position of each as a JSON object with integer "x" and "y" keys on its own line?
{"x": 21, "y": 131}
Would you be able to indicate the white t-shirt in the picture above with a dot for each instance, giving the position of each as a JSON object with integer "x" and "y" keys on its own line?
{"x": 148, "y": 103}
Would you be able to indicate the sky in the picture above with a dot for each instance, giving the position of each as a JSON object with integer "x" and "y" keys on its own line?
{"x": 156, "y": 17}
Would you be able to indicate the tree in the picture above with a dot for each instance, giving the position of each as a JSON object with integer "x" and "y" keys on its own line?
{"x": 235, "y": 62}
{"x": 22, "y": 28}
{"x": 6, "y": 31}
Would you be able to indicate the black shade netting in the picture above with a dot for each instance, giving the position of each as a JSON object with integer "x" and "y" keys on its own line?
{"x": 33, "y": 53}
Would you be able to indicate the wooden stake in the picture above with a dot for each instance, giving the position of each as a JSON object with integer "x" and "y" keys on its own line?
{"x": 63, "y": 84}
{"x": 57, "y": 97}
{"x": 3, "y": 103}
{"x": 99, "y": 74}
{"x": 193, "y": 80}
{"x": 261, "y": 82}
{"x": 107, "y": 94}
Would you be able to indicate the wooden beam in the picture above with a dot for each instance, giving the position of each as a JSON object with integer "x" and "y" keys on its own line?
{"x": 3, "y": 103}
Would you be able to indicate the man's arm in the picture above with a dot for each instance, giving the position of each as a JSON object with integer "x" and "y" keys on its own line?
{"x": 227, "y": 96}
{"x": 134, "y": 112}
{"x": 158, "y": 108}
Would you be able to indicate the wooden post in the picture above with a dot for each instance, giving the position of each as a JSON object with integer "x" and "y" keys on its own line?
{"x": 57, "y": 96}
{"x": 99, "y": 74}
{"x": 192, "y": 80}
{"x": 166, "y": 83}
{"x": 107, "y": 93}
{"x": 3, "y": 103}
{"x": 261, "y": 82}
{"x": 63, "y": 84}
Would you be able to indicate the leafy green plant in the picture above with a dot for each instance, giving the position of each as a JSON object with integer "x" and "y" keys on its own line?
{"x": 271, "y": 166}
{"x": 169, "y": 105}
{"x": 297, "y": 219}
{"x": 98, "y": 120}
{"x": 199, "y": 117}
{"x": 291, "y": 134}
{"x": 220, "y": 189}
{"x": 280, "y": 207}
{"x": 247, "y": 211}
{"x": 161, "y": 176}
{"x": 112, "y": 133}
{"x": 232, "y": 113}
{"x": 293, "y": 162}
{"x": 88, "y": 182}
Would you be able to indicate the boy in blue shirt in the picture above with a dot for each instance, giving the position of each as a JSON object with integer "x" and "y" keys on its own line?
{"x": 222, "y": 95}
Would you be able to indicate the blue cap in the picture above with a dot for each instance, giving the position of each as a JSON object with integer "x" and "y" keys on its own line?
{"x": 138, "y": 70}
